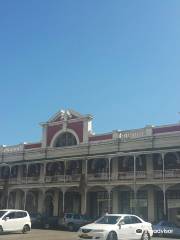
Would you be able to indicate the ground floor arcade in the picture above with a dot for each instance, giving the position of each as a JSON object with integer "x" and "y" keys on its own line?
{"x": 151, "y": 202}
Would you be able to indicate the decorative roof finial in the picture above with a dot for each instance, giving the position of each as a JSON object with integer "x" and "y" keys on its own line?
{"x": 65, "y": 115}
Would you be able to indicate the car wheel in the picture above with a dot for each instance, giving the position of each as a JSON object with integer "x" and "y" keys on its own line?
{"x": 71, "y": 227}
{"x": 1, "y": 229}
{"x": 26, "y": 229}
{"x": 145, "y": 236}
{"x": 112, "y": 236}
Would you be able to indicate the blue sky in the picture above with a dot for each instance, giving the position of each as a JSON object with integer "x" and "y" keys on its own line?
{"x": 117, "y": 60}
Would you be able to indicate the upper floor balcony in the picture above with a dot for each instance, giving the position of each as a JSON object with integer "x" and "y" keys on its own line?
{"x": 151, "y": 167}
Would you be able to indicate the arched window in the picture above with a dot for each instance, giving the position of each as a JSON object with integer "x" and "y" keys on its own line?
{"x": 65, "y": 139}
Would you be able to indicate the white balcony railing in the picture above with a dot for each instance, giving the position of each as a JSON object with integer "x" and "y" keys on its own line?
{"x": 24, "y": 180}
{"x": 100, "y": 176}
{"x": 125, "y": 175}
{"x": 114, "y": 176}
{"x": 14, "y": 181}
{"x": 130, "y": 175}
{"x": 172, "y": 173}
{"x": 33, "y": 179}
{"x": 3, "y": 181}
{"x": 141, "y": 174}
{"x": 56, "y": 178}
{"x": 73, "y": 178}
{"x": 97, "y": 176}
{"x": 158, "y": 174}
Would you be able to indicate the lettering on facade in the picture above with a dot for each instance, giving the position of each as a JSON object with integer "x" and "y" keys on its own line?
{"x": 12, "y": 149}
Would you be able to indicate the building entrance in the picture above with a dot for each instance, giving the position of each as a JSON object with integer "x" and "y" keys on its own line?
{"x": 102, "y": 206}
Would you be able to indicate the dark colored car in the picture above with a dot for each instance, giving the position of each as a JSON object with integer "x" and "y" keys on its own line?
{"x": 50, "y": 222}
{"x": 165, "y": 228}
{"x": 42, "y": 221}
{"x": 73, "y": 221}
{"x": 36, "y": 220}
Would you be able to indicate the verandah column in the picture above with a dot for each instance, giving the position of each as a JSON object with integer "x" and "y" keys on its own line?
{"x": 150, "y": 191}
{"x": 114, "y": 164}
{"x": 19, "y": 174}
{"x": 56, "y": 202}
{"x": 164, "y": 186}
{"x": 115, "y": 196}
{"x": 109, "y": 189}
{"x": 82, "y": 187}
{"x": 134, "y": 187}
{"x": 114, "y": 177}
{"x": 43, "y": 172}
{"x": 7, "y": 203}
{"x": 25, "y": 196}
{"x": 8, "y": 192}
{"x": 18, "y": 200}
{"x": 109, "y": 168}
{"x": 149, "y": 166}
{"x": 64, "y": 170}
{"x": 63, "y": 199}
{"x": 41, "y": 197}
{"x": 84, "y": 201}
{"x": 151, "y": 205}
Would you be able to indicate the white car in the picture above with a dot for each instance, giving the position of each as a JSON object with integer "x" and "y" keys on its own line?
{"x": 12, "y": 220}
{"x": 117, "y": 226}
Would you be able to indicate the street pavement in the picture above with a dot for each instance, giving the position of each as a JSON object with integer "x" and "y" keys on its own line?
{"x": 37, "y": 234}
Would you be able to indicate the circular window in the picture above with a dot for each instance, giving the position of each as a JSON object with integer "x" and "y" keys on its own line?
{"x": 65, "y": 139}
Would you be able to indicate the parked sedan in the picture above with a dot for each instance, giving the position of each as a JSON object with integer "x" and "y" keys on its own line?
{"x": 117, "y": 226}
{"x": 165, "y": 228}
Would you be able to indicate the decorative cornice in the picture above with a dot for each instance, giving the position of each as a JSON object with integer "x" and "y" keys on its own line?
{"x": 86, "y": 117}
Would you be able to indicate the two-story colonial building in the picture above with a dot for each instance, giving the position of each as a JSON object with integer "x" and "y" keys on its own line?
{"x": 73, "y": 170}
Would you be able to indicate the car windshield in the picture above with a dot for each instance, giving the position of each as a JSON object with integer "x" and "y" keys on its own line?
{"x": 85, "y": 217}
{"x": 2, "y": 213}
{"x": 108, "y": 219}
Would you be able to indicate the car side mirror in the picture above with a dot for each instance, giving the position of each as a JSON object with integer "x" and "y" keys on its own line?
{"x": 120, "y": 224}
{"x": 6, "y": 218}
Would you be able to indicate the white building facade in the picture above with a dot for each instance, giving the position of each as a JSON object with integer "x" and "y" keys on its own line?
{"x": 73, "y": 170}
